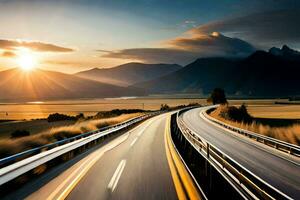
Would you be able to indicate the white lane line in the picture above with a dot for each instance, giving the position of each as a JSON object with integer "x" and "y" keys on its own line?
{"x": 141, "y": 132}
{"x": 83, "y": 168}
{"x": 115, "y": 179}
{"x": 146, "y": 126}
{"x": 132, "y": 143}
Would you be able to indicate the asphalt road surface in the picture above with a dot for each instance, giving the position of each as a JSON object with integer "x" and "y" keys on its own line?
{"x": 132, "y": 166}
{"x": 270, "y": 165}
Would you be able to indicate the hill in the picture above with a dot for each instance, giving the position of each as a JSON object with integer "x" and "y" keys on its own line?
{"x": 16, "y": 84}
{"x": 262, "y": 74}
{"x": 129, "y": 73}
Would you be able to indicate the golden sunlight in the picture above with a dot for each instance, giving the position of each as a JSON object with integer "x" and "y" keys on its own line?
{"x": 27, "y": 61}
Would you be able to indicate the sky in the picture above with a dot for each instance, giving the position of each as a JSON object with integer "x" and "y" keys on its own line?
{"x": 75, "y": 35}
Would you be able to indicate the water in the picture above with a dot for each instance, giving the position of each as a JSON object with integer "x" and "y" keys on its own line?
{"x": 39, "y": 109}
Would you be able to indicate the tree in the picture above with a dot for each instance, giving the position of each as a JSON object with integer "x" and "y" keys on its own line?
{"x": 164, "y": 107}
{"x": 217, "y": 97}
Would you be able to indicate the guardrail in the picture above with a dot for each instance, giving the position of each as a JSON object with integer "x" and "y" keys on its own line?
{"x": 278, "y": 144}
{"x": 38, "y": 156}
{"x": 247, "y": 184}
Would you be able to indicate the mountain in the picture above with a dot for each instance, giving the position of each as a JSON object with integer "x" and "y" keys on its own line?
{"x": 16, "y": 84}
{"x": 129, "y": 73}
{"x": 286, "y": 53}
{"x": 262, "y": 74}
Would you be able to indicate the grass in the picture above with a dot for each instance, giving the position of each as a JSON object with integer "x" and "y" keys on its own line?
{"x": 13, "y": 146}
{"x": 33, "y": 126}
{"x": 275, "y": 111}
{"x": 289, "y": 133}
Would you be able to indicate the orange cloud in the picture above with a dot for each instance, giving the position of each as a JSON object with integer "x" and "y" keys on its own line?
{"x": 8, "y": 54}
{"x": 34, "y": 46}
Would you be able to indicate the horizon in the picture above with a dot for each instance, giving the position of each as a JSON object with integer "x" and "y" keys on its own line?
{"x": 137, "y": 62}
{"x": 108, "y": 34}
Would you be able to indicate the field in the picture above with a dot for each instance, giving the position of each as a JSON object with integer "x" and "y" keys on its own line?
{"x": 34, "y": 110}
{"x": 275, "y": 111}
{"x": 13, "y": 146}
{"x": 33, "y": 126}
{"x": 277, "y": 121}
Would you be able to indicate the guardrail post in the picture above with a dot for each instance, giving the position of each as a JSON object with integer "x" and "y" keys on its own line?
{"x": 207, "y": 150}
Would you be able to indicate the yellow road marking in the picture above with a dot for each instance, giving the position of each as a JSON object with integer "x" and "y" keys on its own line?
{"x": 187, "y": 182}
{"x": 176, "y": 181}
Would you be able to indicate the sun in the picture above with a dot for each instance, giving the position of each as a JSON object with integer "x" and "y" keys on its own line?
{"x": 27, "y": 61}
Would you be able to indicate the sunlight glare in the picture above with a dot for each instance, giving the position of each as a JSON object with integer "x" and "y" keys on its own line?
{"x": 27, "y": 61}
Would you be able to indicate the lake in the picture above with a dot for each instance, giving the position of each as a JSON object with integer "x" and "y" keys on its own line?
{"x": 34, "y": 110}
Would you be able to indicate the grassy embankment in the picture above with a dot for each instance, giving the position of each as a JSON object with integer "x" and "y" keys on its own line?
{"x": 12, "y": 146}
{"x": 283, "y": 129}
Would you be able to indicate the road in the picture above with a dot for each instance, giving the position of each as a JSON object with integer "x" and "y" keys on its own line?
{"x": 131, "y": 166}
{"x": 276, "y": 170}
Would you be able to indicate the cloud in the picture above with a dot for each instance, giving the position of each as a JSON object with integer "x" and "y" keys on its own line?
{"x": 60, "y": 62}
{"x": 154, "y": 55}
{"x": 266, "y": 28}
{"x": 183, "y": 50}
{"x": 8, "y": 54}
{"x": 103, "y": 51}
{"x": 214, "y": 44}
{"x": 34, "y": 46}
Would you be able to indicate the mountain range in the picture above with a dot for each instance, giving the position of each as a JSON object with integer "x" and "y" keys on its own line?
{"x": 17, "y": 85}
{"x": 269, "y": 74}
{"x": 130, "y": 73}
{"x": 262, "y": 74}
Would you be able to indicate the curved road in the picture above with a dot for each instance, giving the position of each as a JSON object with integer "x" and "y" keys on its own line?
{"x": 259, "y": 159}
{"x": 131, "y": 166}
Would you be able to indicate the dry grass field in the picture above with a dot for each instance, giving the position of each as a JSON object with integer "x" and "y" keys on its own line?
{"x": 89, "y": 107}
{"x": 12, "y": 146}
{"x": 275, "y": 111}
{"x": 33, "y": 126}
{"x": 289, "y": 133}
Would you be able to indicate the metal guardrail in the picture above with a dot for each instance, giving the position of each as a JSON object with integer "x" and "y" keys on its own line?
{"x": 244, "y": 181}
{"x": 278, "y": 144}
{"x": 39, "y": 156}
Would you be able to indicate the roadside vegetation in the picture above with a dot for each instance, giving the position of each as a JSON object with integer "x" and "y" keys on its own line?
{"x": 18, "y": 144}
{"x": 285, "y": 130}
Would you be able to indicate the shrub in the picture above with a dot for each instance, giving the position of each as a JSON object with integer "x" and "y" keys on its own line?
{"x": 164, "y": 107}
{"x": 59, "y": 117}
{"x": 235, "y": 114}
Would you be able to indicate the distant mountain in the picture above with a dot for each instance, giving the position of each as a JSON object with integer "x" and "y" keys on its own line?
{"x": 286, "y": 53}
{"x": 129, "y": 73}
{"x": 262, "y": 74}
{"x": 16, "y": 84}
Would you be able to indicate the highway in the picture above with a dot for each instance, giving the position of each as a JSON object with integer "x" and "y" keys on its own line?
{"x": 138, "y": 165}
{"x": 131, "y": 166}
{"x": 278, "y": 170}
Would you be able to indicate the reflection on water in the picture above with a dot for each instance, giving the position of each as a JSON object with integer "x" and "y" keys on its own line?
{"x": 38, "y": 109}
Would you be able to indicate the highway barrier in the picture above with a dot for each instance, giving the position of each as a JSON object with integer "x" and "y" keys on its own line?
{"x": 218, "y": 174}
{"x": 278, "y": 144}
{"x": 32, "y": 161}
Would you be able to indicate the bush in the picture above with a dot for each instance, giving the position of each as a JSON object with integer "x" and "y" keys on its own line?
{"x": 235, "y": 114}
{"x": 19, "y": 133}
{"x": 116, "y": 112}
{"x": 164, "y": 107}
{"x": 59, "y": 117}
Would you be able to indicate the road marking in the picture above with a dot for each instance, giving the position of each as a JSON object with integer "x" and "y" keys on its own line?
{"x": 115, "y": 178}
{"x": 178, "y": 185}
{"x": 132, "y": 143}
{"x": 79, "y": 173}
{"x": 184, "y": 184}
